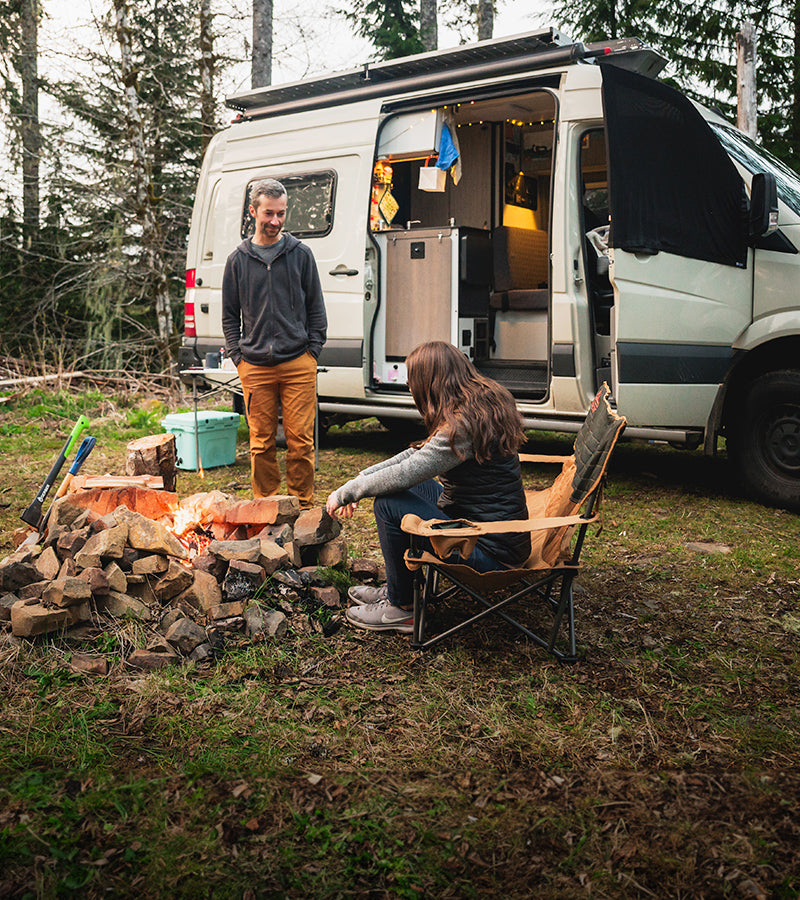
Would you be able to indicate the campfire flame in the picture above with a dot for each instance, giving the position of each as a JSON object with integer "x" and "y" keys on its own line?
{"x": 187, "y": 526}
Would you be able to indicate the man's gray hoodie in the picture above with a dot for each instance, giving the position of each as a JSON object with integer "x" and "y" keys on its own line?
{"x": 272, "y": 313}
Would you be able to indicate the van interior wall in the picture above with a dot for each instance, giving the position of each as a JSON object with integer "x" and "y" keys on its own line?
{"x": 470, "y": 201}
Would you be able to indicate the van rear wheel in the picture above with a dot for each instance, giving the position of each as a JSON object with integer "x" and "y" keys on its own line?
{"x": 764, "y": 441}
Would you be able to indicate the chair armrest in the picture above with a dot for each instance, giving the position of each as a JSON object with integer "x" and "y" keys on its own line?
{"x": 448, "y": 536}
{"x": 543, "y": 458}
{"x": 462, "y": 528}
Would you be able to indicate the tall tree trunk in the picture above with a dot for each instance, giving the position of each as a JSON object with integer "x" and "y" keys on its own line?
{"x": 29, "y": 116}
{"x": 206, "y": 65}
{"x": 144, "y": 189}
{"x": 262, "y": 43}
{"x": 794, "y": 114}
{"x": 428, "y": 25}
{"x": 485, "y": 12}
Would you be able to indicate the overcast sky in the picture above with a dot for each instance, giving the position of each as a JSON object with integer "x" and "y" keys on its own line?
{"x": 307, "y": 38}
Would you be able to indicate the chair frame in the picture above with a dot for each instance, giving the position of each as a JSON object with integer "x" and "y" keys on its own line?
{"x": 540, "y": 582}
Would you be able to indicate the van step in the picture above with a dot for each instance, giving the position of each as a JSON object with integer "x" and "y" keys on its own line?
{"x": 524, "y": 379}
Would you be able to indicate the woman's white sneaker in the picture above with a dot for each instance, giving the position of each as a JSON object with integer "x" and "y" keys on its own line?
{"x": 381, "y": 616}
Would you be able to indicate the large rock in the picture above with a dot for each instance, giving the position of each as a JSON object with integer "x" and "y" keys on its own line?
{"x": 262, "y": 622}
{"x": 246, "y": 551}
{"x": 28, "y": 621}
{"x": 123, "y": 605}
{"x": 48, "y": 564}
{"x": 96, "y": 579}
{"x": 226, "y": 610}
{"x": 71, "y": 542}
{"x": 117, "y": 580}
{"x": 327, "y": 596}
{"x": 177, "y": 578}
{"x": 146, "y": 534}
{"x": 184, "y": 635}
{"x": 280, "y": 534}
{"x": 20, "y": 569}
{"x": 273, "y": 510}
{"x": 203, "y": 593}
{"x": 152, "y": 564}
{"x": 272, "y": 556}
{"x": 88, "y": 664}
{"x": 334, "y": 553}
{"x": 6, "y": 602}
{"x": 66, "y": 592}
{"x": 314, "y": 527}
{"x": 242, "y": 581}
{"x": 103, "y": 545}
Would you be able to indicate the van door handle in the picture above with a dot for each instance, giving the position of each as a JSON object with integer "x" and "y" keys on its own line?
{"x": 342, "y": 269}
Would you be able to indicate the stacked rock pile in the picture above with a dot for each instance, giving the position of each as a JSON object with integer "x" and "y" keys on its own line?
{"x": 195, "y": 573}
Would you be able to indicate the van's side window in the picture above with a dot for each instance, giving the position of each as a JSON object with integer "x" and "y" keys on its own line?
{"x": 311, "y": 202}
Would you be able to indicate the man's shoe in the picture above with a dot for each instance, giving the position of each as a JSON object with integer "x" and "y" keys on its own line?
{"x": 362, "y": 593}
{"x": 381, "y": 616}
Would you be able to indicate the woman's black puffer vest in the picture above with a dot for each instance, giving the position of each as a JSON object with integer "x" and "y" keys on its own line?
{"x": 487, "y": 492}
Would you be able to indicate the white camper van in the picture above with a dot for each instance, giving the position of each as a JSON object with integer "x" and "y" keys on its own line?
{"x": 595, "y": 226}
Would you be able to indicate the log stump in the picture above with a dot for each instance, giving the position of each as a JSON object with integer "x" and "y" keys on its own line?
{"x": 153, "y": 455}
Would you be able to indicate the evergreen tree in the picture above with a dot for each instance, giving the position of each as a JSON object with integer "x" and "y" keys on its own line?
{"x": 391, "y": 25}
{"x": 140, "y": 114}
{"x": 699, "y": 39}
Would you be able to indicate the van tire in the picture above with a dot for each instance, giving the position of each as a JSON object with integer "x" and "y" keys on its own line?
{"x": 764, "y": 438}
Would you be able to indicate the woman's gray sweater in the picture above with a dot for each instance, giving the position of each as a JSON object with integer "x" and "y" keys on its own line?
{"x": 482, "y": 492}
{"x": 406, "y": 469}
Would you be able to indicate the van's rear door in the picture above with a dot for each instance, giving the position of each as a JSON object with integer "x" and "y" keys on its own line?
{"x": 324, "y": 158}
{"x": 683, "y": 289}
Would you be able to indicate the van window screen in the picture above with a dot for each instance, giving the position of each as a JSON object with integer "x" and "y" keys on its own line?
{"x": 672, "y": 186}
{"x": 310, "y": 204}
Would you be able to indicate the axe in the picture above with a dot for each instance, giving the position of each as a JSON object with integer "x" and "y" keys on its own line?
{"x": 86, "y": 447}
{"x": 33, "y": 513}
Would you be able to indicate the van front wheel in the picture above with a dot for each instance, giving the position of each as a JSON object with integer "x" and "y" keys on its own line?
{"x": 764, "y": 441}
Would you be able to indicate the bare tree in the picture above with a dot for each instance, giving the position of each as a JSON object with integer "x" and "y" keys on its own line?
{"x": 428, "y": 25}
{"x": 30, "y": 134}
{"x": 206, "y": 65}
{"x": 262, "y": 43}
{"x": 485, "y": 16}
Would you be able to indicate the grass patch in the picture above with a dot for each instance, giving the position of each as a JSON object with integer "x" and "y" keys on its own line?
{"x": 664, "y": 764}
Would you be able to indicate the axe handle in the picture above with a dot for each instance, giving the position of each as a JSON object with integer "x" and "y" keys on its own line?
{"x": 33, "y": 513}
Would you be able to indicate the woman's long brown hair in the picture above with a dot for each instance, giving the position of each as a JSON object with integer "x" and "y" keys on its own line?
{"x": 450, "y": 393}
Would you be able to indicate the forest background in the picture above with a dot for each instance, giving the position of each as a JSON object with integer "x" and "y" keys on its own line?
{"x": 104, "y": 128}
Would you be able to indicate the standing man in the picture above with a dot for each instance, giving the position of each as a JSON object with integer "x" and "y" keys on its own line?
{"x": 274, "y": 322}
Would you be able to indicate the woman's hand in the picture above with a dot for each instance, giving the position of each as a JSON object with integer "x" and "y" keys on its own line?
{"x": 334, "y": 510}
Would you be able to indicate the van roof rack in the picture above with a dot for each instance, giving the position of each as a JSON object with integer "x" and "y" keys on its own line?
{"x": 502, "y": 56}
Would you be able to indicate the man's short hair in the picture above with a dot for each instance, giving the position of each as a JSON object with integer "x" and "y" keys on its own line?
{"x": 269, "y": 187}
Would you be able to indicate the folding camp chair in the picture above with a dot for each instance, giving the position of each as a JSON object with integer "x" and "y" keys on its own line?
{"x": 558, "y": 519}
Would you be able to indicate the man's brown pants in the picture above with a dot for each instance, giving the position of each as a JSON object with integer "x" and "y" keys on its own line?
{"x": 293, "y": 387}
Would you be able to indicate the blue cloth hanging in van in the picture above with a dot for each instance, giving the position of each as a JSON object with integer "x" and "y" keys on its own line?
{"x": 448, "y": 152}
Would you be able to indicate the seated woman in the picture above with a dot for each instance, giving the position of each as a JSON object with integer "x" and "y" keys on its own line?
{"x": 474, "y": 433}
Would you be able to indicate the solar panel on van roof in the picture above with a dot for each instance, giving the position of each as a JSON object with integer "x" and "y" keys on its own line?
{"x": 420, "y": 65}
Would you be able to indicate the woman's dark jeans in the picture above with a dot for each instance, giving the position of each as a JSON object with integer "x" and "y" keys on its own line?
{"x": 389, "y": 511}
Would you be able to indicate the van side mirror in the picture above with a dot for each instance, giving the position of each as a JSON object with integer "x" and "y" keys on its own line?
{"x": 763, "y": 205}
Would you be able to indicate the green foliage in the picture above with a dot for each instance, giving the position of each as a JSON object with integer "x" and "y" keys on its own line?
{"x": 391, "y": 25}
{"x": 699, "y": 39}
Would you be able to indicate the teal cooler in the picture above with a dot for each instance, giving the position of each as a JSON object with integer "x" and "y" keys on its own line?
{"x": 216, "y": 436}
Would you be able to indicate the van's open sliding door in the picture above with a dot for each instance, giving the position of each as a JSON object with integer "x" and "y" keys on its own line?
{"x": 683, "y": 290}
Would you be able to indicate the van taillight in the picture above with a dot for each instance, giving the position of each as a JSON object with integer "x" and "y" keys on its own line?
{"x": 189, "y": 329}
{"x": 190, "y": 278}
